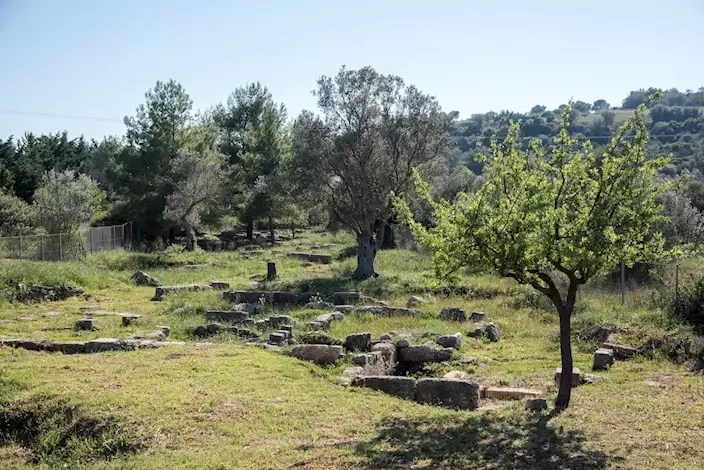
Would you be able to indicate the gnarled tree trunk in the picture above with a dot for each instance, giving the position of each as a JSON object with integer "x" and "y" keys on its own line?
{"x": 366, "y": 253}
{"x": 190, "y": 237}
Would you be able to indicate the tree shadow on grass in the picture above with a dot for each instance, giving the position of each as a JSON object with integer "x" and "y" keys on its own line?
{"x": 487, "y": 441}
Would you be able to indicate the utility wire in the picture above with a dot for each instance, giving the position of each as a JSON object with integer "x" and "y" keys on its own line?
{"x": 16, "y": 112}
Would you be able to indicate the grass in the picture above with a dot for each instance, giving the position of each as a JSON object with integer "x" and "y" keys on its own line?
{"x": 234, "y": 406}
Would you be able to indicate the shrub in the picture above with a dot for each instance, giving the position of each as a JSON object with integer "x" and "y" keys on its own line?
{"x": 689, "y": 306}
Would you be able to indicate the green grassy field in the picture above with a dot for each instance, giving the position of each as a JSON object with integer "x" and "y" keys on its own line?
{"x": 235, "y": 406}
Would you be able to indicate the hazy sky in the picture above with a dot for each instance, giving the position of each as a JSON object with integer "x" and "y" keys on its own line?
{"x": 96, "y": 58}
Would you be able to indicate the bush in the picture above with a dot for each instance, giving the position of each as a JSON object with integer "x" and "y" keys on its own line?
{"x": 689, "y": 306}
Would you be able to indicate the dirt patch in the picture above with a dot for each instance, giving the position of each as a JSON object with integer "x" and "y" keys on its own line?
{"x": 660, "y": 380}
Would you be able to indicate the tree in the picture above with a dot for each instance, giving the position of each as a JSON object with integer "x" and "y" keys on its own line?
{"x": 538, "y": 109}
{"x": 552, "y": 219}
{"x": 254, "y": 137}
{"x": 15, "y": 215}
{"x": 600, "y": 104}
{"x": 684, "y": 224}
{"x": 373, "y": 130}
{"x": 155, "y": 136}
{"x": 198, "y": 180}
{"x": 65, "y": 201}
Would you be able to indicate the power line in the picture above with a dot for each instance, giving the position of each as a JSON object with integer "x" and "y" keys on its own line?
{"x": 16, "y": 112}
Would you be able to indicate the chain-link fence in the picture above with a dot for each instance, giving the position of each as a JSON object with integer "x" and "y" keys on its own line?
{"x": 67, "y": 246}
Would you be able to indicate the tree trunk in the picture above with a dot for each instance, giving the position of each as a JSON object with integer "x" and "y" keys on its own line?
{"x": 270, "y": 271}
{"x": 190, "y": 238}
{"x": 366, "y": 253}
{"x": 272, "y": 236}
{"x": 250, "y": 229}
{"x": 565, "y": 387}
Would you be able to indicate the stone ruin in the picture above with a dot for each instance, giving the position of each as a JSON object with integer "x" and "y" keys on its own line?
{"x": 163, "y": 291}
{"x": 36, "y": 294}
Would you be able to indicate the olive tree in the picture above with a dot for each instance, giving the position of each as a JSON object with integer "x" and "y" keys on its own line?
{"x": 552, "y": 219}
{"x": 65, "y": 201}
{"x": 197, "y": 183}
{"x": 372, "y": 130}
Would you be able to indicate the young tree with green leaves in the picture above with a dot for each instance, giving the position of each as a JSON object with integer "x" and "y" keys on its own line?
{"x": 373, "y": 130}
{"x": 552, "y": 219}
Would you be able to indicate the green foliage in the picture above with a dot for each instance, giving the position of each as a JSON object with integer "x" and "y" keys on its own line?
{"x": 65, "y": 201}
{"x": 541, "y": 211}
{"x": 15, "y": 215}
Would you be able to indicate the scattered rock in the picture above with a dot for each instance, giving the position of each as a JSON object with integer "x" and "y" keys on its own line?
{"x": 402, "y": 343}
{"x": 536, "y": 404}
{"x": 227, "y": 316}
{"x": 385, "y": 337}
{"x": 276, "y": 321}
{"x": 603, "y": 359}
{"x": 81, "y": 347}
{"x": 358, "y": 342}
{"x": 140, "y": 278}
{"x": 386, "y": 310}
{"x": 477, "y": 316}
{"x": 87, "y": 324}
{"x": 346, "y": 298}
{"x": 312, "y": 257}
{"x": 219, "y": 285}
{"x": 163, "y": 291}
{"x": 415, "y": 301}
{"x": 252, "y": 309}
{"x": 493, "y": 332}
{"x": 506, "y": 393}
{"x": 367, "y": 359}
{"x": 343, "y": 308}
{"x": 164, "y": 329}
{"x": 453, "y": 314}
{"x": 184, "y": 309}
{"x": 621, "y": 352}
{"x": 476, "y": 333}
{"x": 450, "y": 341}
{"x": 46, "y": 293}
{"x": 317, "y": 338}
{"x": 316, "y": 325}
{"x": 319, "y": 353}
{"x": 448, "y": 393}
{"x": 277, "y": 338}
{"x": 402, "y": 387}
{"x": 328, "y": 318}
{"x": 128, "y": 318}
{"x": 319, "y": 305}
{"x": 421, "y": 354}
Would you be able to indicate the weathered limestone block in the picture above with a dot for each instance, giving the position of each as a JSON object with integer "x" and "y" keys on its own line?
{"x": 448, "y": 393}
{"x": 319, "y": 353}
{"x": 402, "y": 387}
{"x": 453, "y": 314}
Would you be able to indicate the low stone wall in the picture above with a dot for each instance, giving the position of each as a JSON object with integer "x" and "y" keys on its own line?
{"x": 162, "y": 291}
{"x": 447, "y": 393}
{"x": 46, "y": 293}
{"x": 86, "y": 347}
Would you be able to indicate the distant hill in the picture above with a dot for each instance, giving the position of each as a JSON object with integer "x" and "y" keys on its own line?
{"x": 675, "y": 122}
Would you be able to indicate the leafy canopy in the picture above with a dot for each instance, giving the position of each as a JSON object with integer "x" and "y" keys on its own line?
{"x": 566, "y": 210}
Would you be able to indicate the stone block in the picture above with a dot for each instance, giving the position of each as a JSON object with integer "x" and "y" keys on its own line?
{"x": 621, "y": 352}
{"x": 453, "y": 314}
{"x": 219, "y": 285}
{"x": 103, "y": 345}
{"x": 421, "y": 354}
{"x": 386, "y": 310}
{"x": 346, "y": 298}
{"x": 448, "y": 393}
{"x": 319, "y": 353}
{"x": 477, "y": 316}
{"x": 603, "y": 359}
{"x": 450, "y": 341}
{"x": 129, "y": 318}
{"x": 492, "y": 332}
{"x": 507, "y": 393}
{"x": 402, "y": 387}
{"x": 358, "y": 342}
{"x": 415, "y": 301}
{"x": 277, "y": 338}
{"x": 316, "y": 326}
{"x": 226, "y": 316}
{"x": 344, "y": 308}
{"x": 87, "y": 324}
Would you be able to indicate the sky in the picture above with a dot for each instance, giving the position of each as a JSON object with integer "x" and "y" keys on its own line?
{"x": 97, "y": 58}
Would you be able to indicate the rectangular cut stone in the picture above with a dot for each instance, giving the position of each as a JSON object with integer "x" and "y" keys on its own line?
{"x": 576, "y": 376}
{"x": 402, "y": 387}
{"x": 448, "y": 393}
{"x": 621, "y": 352}
{"x": 603, "y": 359}
{"x": 227, "y": 316}
{"x": 506, "y": 393}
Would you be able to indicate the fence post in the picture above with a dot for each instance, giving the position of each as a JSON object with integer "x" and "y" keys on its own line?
{"x": 677, "y": 280}
{"x": 20, "y": 246}
{"x": 61, "y": 248}
{"x": 623, "y": 283}
{"x": 41, "y": 242}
